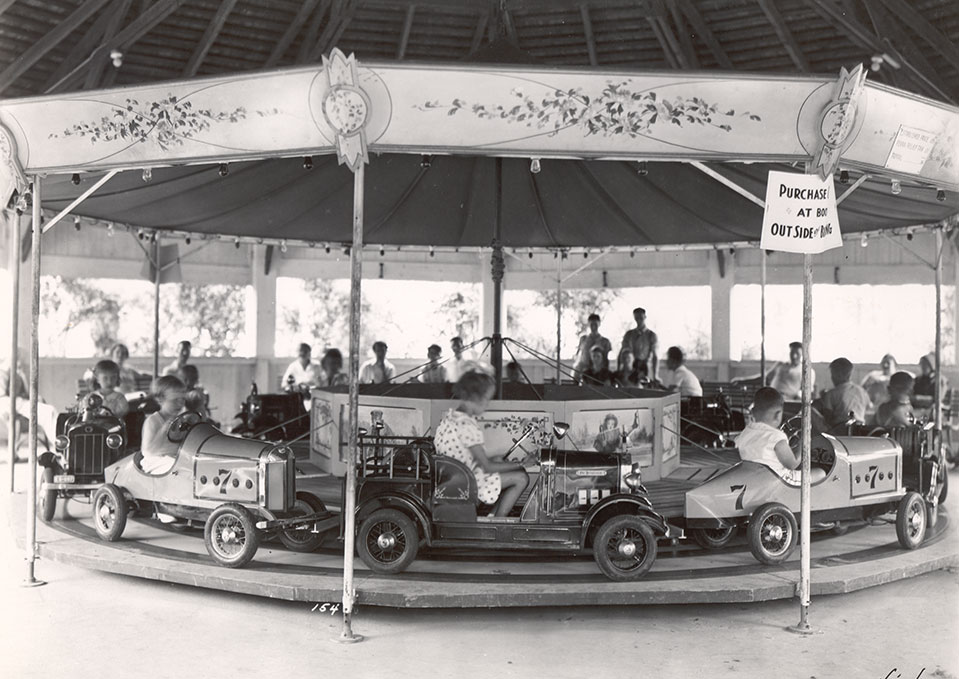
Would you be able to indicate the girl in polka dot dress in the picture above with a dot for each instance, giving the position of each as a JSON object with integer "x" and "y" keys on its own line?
{"x": 460, "y": 437}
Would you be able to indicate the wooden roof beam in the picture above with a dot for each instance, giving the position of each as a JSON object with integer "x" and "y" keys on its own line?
{"x": 5, "y": 5}
{"x": 663, "y": 43}
{"x": 478, "y": 34}
{"x": 340, "y": 16}
{"x": 96, "y": 66}
{"x": 588, "y": 32}
{"x": 701, "y": 27}
{"x": 209, "y": 37}
{"x": 685, "y": 43}
{"x": 40, "y": 48}
{"x": 279, "y": 49}
{"x": 312, "y": 32}
{"x": 81, "y": 50}
{"x": 785, "y": 35}
{"x": 887, "y": 29}
{"x": 926, "y": 30}
{"x": 405, "y": 36}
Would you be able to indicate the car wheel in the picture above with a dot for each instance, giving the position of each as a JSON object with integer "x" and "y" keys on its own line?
{"x": 230, "y": 535}
{"x": 109, "y": 512}
{"x": 911, "y": 520}
{"x": 713, "y": 538}
{"x": 772, "y": 533}
{"x": 624, "y": 548}
{"x": 388, "y": 541}
{"x": 301, "y": 539}
{"x": 48, "y": 498}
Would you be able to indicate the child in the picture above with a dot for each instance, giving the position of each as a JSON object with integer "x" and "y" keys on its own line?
{"x": 434, "y": 373}
{"x": 597, "y": 374}
{"x": 159, "y": 453}
{"x": 460, "y": 437}
{"x": 845, "y": 399}
{"x": 761, "y": 440}
{"x": 196, "y": 397}
{"x": 897, "y": 411}
{"x": 108, "y": 376}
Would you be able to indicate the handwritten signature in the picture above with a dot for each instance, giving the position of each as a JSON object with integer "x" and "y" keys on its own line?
{"x": 898, "y": 674}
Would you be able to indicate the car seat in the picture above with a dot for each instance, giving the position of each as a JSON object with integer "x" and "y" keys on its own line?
{"x": 455, "y": 492}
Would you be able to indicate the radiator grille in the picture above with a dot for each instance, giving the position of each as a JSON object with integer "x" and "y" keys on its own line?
{"x": 89, "y": 454}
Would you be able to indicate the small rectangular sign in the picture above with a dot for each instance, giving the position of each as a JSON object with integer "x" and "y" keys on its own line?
{"x": 910, "y": 149}
{"x": 800, "y": 214}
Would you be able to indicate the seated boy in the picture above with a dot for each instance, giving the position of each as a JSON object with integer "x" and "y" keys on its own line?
{"x": 108, "y": 376}
{"x": 843, "y": 399}
{"x": 897, "y": 410}
{"x": 761, "y": 440}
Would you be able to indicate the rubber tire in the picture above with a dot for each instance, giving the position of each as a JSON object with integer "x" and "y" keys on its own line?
{"x": 48, "y": 498}
{"x": 250, "y": 538}
{"x": 840, "y": 529}
{"x": 713, "y": 538}
{"x": 109, "y": 493}
{"x": 301, "y": 540}
{"x": 911, "y": 538}
{"x": 605, "y": 534}
{"x": 758, "y": 520}
{"x": 406, "y": 530}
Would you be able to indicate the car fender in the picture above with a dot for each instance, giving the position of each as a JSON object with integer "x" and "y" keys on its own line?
{"x": 615, "y": 505}
{"x": 406, "y": 503}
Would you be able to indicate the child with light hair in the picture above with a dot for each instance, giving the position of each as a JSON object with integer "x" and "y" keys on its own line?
{"x": 108, "y": 377}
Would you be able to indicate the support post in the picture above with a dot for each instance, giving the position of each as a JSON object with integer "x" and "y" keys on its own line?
{"x": 937, "y": 395}
{"x": 349, "y": 504}
{"x": 156, "y": 306}
{"x": 802, "y": 626}
{"x": 762, "y": 317}
{"x": 31, "y": 550}
{"x": 264, "y": 285}
{"x": 720, "y": 289}
{"x": 497, "y": 269}
{"x": 559, "y": 317}
{"x": 12, "y": 429}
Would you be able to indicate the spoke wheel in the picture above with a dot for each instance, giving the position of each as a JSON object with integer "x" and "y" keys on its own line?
{"x": 48, "y": 498}
{"x": 388, "y": 541}
{"x": 772, "y": 533}
{"x": 231, "y": 536}
{"x": 109, "y": 512}
{"x": 301, "y": 539}
{"x": 911, "y": 520}
{"x": 713, "y": 538}
{"x": 625, "y": 548}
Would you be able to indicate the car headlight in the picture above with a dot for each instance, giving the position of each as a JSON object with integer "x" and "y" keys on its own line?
{"x": 114, "y": 441}
{"x": 634, "y": 479}
{"x": 61, "y": 442}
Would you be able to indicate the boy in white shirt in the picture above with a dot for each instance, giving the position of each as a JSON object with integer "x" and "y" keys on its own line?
{"x": 761, "y": 440}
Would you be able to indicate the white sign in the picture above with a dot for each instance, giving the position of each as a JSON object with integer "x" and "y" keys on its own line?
{"x": 910, "y": 149}
{"x": 800, "y": 214}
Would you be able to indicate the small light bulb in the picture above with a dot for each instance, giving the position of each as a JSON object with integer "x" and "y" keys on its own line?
{"x": 426, "y": 162}
{"x": 75, "y": 179}
{"x": 223, "y": 170}
{"x": 327, "y": 248}
{"x": 282, "y": 246}
{"x": 382, "y": 251}
{"x": 864, "y": 241}
{"x": 308, "y": 162}
{"x": 530, "y": 254}
{"x": 941, "y": 196}
{"x": 110, "y": 230}
{"x": 432, "y": 252}
{"x": 236, "y": 243}
{"x": 187, "y": 240}
{"x": 896, "y": 187}
{"x": 844, "y": 176}
{"x": 641, "y": 168}
{"x": 76, "y": 223}
{"x": 534, "y": 166}
{"x": 147, "y": 174}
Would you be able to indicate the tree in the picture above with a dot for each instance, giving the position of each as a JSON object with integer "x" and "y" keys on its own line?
{"x": 210, "y": 316}
{"x": 460, "y": 312}
{"x": 69, "y": 304}
{"x": 326, "y": 321}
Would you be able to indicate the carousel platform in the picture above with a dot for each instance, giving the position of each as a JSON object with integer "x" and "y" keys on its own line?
{"x": 864, "y": 557}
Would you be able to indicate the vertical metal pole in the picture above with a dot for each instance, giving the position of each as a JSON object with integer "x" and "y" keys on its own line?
{"x": 559, "y": 315}
{"x": 349, "y": 508}
{"x": 804, "y": 566}
{"x": 937, "y": 395}
{"x": 762, "y": 317}
{"x": 14, "y": 329}
{"x": 31, "y": 551}
{"x": 498, "y": 269}
{"x": 156, "y": 306}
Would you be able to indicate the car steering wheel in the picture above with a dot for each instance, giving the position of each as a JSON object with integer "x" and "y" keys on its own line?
{"x": 793, "y": 430}
{"x": 181, "y": 425}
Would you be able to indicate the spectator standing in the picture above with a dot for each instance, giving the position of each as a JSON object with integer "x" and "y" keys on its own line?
{"x": 588, "y": 342}
{"x": 642, "y": 343}
{"x": 844, "y": 400}
{"x": 183, "y": 350}
{"x": 457, "y": 365}
{"x": 332, "y": 374}
{"x": 434, "y": 373}
{"x": 377, "y": 370}
{"x": 786, "y": 378}
{"x": 302, "y": 374}
{"x": 678, "y": 377}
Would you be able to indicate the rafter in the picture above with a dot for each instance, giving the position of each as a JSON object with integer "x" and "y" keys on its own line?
{"x": 701, "y": 27}
{"x": 663, "y": 43}
{"x": 926, "y": 30}
{"x": 478, "y": 33}
{"x": 405, "y": 37}
{"x": 785, "y": 35}
{"x": 95, "y": 69}
{"x": 39, "y": 49}
{"x": 340, "y": 17}
{"x": 313, "y": 32}
{"x": 685, "y": 43}
{"x": 5, "y": 5}
{"x": 209, "y": 37}
{"x": 81, "y": 50}
{"x": 280, "y": 48}
{"x": 588, "y": 32}
{"x": 899, "y": 40}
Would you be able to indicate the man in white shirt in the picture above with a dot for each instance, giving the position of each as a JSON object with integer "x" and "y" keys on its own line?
{"x": 678, "y": 377}
{"x": 455, "y": 367}
{"x": 786, "y": 378}
{"x": 588, "y": 342}
{"x": 302, "y": 374}
{"x": 377, "y": 370}
{"x": 183, "y": 350}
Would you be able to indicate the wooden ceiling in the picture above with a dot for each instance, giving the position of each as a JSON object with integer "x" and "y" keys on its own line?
{"x": 50, "y": 46}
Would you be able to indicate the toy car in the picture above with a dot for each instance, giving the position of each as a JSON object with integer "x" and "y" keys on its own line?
{"x": 272, "y": 416}
{"x": 240, "y": 488}
{"x": 854, "y": 478}
{"x": 89, "y": 438}
{"x": 407, "y": 494}
{"x": 709, "y": 421}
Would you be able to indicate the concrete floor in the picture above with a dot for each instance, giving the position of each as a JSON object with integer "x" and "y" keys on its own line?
{"x": 87, "y": 623}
